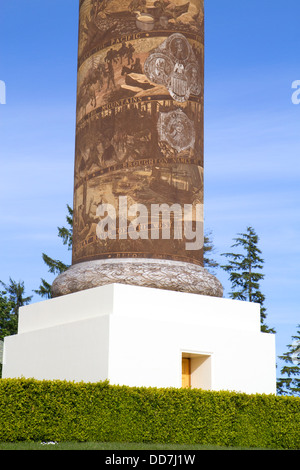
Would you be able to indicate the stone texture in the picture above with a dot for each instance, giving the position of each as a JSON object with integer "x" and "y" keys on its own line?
{"x": 160, "y": 274}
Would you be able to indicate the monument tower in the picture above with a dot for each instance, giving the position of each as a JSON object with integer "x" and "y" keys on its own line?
{"x": 138, "y": 183}
{"x": 137, "y": 307}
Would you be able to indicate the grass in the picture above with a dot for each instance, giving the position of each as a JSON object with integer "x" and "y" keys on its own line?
{"x": 109, "y": 446}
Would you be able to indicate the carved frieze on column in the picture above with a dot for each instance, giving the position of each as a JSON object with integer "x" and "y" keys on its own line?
{"x": 138, "y": 184}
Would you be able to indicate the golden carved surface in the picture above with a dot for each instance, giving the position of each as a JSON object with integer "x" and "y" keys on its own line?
{"x": 139, "y": 120}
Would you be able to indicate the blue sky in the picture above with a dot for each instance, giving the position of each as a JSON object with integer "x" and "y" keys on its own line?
{"x": 252, "y": 139}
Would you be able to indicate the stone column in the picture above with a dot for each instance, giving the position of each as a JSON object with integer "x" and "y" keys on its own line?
{"x": 138, "y": 184}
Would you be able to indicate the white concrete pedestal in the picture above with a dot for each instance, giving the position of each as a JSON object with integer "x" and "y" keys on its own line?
{"x": 137, "y": 336}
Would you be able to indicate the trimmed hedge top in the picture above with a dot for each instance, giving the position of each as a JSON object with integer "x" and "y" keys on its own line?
{"x": 67, "y": 411}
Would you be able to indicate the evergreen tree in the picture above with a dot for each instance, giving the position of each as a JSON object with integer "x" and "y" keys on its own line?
{"x": 8, "y": 324}
{"x": 8, "y": 318}
{"x": 11, "y": 299}
{"x": 56, "y": 266}
{"x": 208, "y": 248}
{"x": 67, "y": 233}
{"x": 16, "y": 292}
{"x": 245, "y": 272}
{"x": 289, "y": 384}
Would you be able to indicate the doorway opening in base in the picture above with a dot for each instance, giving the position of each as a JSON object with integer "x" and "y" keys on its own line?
{"x": 196, "y": 370}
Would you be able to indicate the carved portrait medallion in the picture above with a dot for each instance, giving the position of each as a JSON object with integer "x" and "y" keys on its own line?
{"x": 173, "y": 64}
{"x": 176, "y": 129}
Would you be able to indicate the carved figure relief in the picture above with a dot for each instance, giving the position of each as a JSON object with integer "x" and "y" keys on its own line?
{"x": 101, "y": 20}
{"x": 139, "y": 119}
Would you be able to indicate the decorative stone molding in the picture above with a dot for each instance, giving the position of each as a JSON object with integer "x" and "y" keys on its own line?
{"x": 159, "y": 274}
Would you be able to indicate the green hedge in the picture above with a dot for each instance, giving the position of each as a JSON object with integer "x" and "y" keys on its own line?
{"x": 66, "y": 411}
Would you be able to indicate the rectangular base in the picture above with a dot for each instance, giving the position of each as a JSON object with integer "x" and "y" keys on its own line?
{"x": 139, "y": 336}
